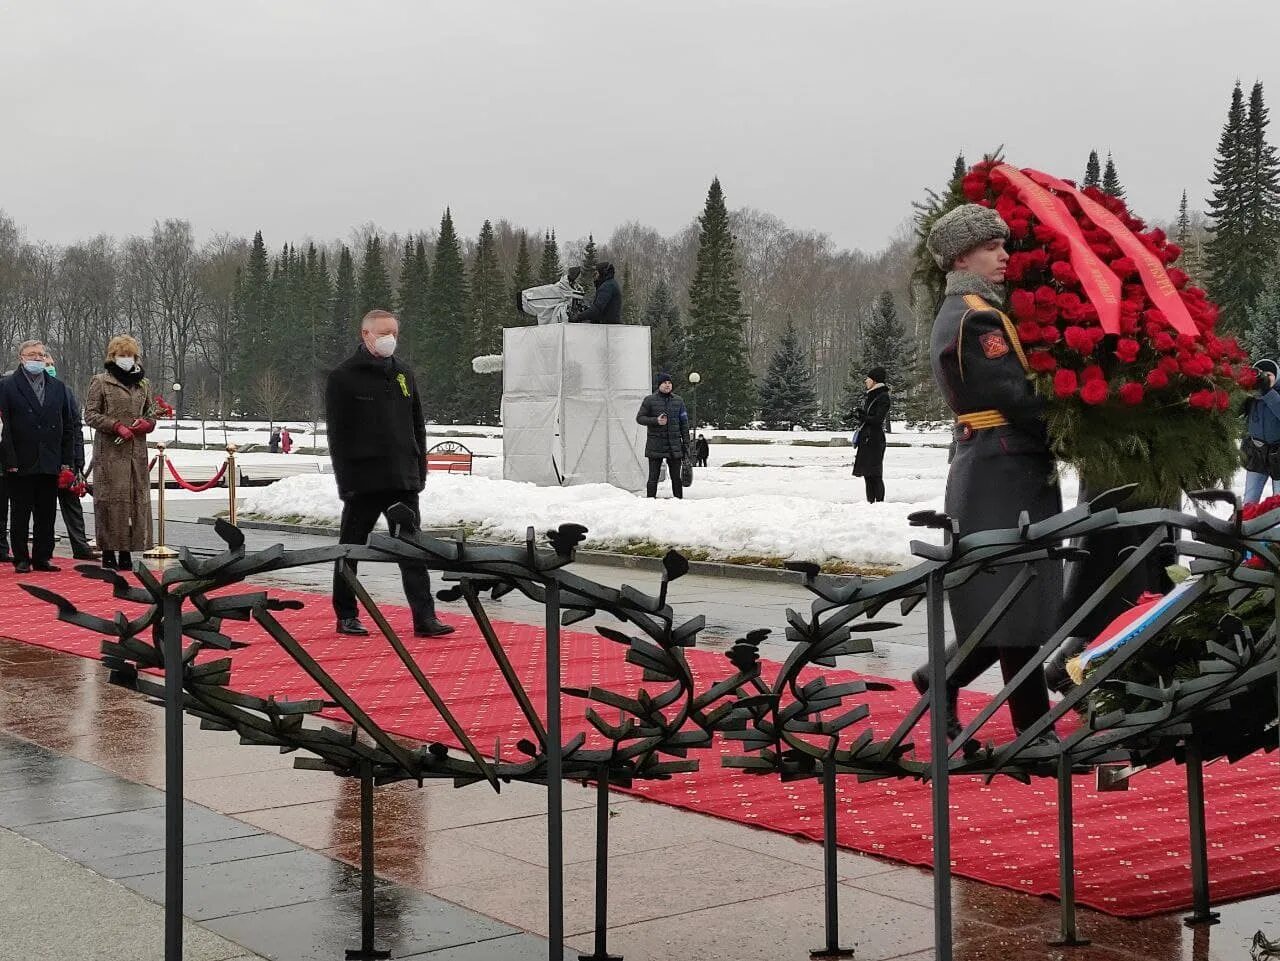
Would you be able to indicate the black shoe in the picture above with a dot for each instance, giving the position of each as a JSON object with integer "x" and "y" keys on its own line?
{"x": 22, "y": 567}
{"x": 433, "y": 627}
{"x": 124, "y": 562}
{"x": 109, "y": 561}
{"x": 4, "y": 557}
{"x": 352, "y": 626}
{"x": 84, "y": 555}
{"x": 920, "y": 678}
{"x": 44, "y": 567}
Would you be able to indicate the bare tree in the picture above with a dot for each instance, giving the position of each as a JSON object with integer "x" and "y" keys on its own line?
{"x": 173, "y": 267}
{"x": 221, "y": 261}
{"x": 272, "y": 392}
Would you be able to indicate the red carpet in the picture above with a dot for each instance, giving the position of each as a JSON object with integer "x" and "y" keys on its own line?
{"x": 1131, "y": 848}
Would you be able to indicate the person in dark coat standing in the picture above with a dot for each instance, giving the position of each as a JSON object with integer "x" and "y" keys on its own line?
{"x": 37, "y": 445}
{"x": 69, "y": 501}
{"x": 273, "y": 441}
{"x": 663, "y": 413}
{"x": 868, "y": 462}
{"x": 4, "y": 493}
{"x": 378, "y": 445}
{"x": 701, "y": 451}
{"x": 607, "y": 307}
{"x": 1001, "y": 465}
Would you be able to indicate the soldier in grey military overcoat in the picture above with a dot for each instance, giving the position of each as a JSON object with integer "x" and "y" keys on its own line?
{"x": 1001, "y": 464}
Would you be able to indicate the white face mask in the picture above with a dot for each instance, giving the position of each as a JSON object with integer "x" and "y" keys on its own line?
{"x": 125, "y": 363}
{"x": 385, "y": 345}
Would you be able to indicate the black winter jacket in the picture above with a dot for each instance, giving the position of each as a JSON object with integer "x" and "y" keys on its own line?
{"x": 377, "y": 436}
{"x": 672, "y": 438}
{"x": 869, "y": 461}
{"x": 38, "y": 438}
{"x": 607, "y": 307}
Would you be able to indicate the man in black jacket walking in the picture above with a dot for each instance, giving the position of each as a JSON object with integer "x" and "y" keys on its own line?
{"x": 68, "y": 500}
{"x": 378, "y": 442}
{"x": 607, "y": 307}
{"x": 37, "y": 446}
{"x": 663, "y": 412}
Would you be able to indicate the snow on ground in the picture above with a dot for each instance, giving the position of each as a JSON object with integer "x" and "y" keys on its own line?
{"x": 790, "y": 502}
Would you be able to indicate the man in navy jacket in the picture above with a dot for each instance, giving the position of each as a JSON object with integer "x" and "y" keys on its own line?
{"x": 38, "y": 443}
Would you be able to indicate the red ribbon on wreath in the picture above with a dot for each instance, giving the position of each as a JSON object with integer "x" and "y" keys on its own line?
{"x": 1155, "y": 278}
{"x": 1098, "y": 280}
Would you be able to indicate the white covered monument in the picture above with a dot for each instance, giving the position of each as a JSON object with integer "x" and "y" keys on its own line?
{"x": 570, "y": 393}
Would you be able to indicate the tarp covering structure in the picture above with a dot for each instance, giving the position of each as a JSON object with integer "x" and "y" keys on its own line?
{"x": 552, "y": 303}
{"x": 570, "y": 393}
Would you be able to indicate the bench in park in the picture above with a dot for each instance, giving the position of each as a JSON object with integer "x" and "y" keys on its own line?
{"x": 449, "y": 456}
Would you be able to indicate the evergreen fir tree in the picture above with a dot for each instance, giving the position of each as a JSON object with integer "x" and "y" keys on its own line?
{"x": 885, "y": 343}
{"x": 1110, "y": 180}
{"x": 1092, "y": 172}
{"x": 375, "y": 289}
{"x": 343, "y": 334}
{"x": 1244, "y": 211}
{"x": 666, "y": 335}
{"x": 446, "y": 360}
{"x": 411, "y": 300}
{"x": 550, "y": 270}
{"x": 1262, "y": 328}
{"x": 588, "y": 278}
{"x": 1182, "y": 230}
{"x": 522, "y": 279}
{"x": 786, "y": 394}
{"x": 630, "y": 298}
{"x": 488, "y": 313}
{"x": 959, "y": 169}
{"x": 715, "y": 339}
{"x": 253, "y": 326}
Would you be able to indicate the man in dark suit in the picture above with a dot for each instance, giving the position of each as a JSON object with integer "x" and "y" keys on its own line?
{"x": 68, "y": 500}
{"x": 378, "y": 443}
{"x": 38, "y": 444}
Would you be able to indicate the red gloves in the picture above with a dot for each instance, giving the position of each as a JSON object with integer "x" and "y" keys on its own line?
{"x": 124, "y": 433}
{"x": 143, "y": 426}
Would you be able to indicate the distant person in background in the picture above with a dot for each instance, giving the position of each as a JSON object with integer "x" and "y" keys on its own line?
{"x": 663, "y": 413}
{"x": 868, "y": 462}
{"x": 121, "y": 411}
{"x": 36, "y": 447}
{"x": 1261, "y": 445}
{"x": 286, "y": 441}
{"x": 701, "y": 451}
{"x": 273, "y": 442}
{"x": 4, "y": 494}
{"x": 378, "y": 445}
{"x": 68, "y": 501}
{"x": 607, "y": 307}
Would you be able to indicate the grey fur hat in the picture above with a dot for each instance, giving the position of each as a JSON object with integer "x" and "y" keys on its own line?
{"x": 958, "y": 231}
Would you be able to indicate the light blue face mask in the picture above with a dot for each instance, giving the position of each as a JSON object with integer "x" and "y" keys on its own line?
{"x": 33, "y": 367}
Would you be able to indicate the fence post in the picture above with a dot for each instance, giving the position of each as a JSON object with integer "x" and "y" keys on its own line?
{"x": 160, "y": 550}
{"x": 232, "y": 478}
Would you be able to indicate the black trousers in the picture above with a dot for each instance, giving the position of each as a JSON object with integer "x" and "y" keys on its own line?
{"x": 655, "y": 469}
{"x": 360, "y": 513}
{"x": 875, "y": 489}
{"x": 1029, "y": 701}
{"x": 73, "y": 519}
{"x": 33, "y": 507}
{"x": 4, "y": 514}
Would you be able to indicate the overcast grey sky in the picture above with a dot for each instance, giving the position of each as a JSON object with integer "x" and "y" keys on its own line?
{"x": 309, "y": 117}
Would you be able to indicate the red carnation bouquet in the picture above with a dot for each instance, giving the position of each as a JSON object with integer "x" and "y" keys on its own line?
{"x": 161, "y": 407}
{"x": 1141, "y": 388}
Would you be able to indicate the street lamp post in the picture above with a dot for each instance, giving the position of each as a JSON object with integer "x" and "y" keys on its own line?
{"x": 177, "y": 406}
{"x": 694, "y": 380}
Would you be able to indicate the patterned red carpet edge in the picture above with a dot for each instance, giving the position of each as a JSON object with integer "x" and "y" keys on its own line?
{"x": 1131, "y": 847}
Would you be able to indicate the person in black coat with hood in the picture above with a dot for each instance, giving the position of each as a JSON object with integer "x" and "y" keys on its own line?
{"x": 607, "y": 307}
{"x": 871, "y": 418}
{"x": 378, "y": 444}
{"x": 664, "y": 414}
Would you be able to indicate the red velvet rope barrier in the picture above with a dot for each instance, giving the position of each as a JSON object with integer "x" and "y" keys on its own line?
{"x": 197, "y": 488}
{"x": 151, "y": 463}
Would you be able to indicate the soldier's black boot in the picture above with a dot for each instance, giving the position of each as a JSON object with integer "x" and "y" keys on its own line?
{"x": 920, "y": 678}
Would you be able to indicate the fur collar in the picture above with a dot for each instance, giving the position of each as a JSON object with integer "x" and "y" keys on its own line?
{"x": 960, "y": 282}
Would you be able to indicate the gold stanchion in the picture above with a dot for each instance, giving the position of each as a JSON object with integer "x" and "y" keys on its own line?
{"x": 160, "y": 550}
{"x": 231, "y": 483}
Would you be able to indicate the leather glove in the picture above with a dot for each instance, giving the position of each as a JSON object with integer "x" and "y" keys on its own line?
{"x": 123, "y": 432}
{"x": 143, "y": 426}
